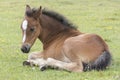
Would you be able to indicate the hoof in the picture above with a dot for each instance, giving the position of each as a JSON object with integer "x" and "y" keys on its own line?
{"x": 25, "y": 63}
{"x": 43, "y": 68}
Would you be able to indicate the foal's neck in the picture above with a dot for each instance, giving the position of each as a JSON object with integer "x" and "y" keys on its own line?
{"x": 52, "y": 31}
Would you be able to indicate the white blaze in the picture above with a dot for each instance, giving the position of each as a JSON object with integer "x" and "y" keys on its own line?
{"x": 24, "y": 37}
{"x": 24, "y": 27}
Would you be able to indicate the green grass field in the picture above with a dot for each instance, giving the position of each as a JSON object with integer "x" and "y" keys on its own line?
{"x": 91, "y": 16}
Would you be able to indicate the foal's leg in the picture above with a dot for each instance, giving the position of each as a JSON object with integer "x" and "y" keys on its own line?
{"x": 42, "y": 63}
{"x": 33, "y": 56}
{"x": 72, "y": 66}
{"x": 37, "y": 59}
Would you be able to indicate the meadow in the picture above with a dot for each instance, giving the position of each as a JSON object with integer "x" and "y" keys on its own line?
{"x": 91, "y": 16}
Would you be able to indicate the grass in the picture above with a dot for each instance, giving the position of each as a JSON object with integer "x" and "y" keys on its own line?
{"x": 91, "y": 16}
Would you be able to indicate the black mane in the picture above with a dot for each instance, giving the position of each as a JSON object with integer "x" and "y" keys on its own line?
{"x": 58, "y": 17}
{"x": 54, "y": 15}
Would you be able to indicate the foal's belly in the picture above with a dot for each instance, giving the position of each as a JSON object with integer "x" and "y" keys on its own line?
{"x": 85, "y": 47}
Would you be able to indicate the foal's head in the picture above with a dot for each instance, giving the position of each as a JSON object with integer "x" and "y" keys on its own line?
{"x": 30, "y": 28}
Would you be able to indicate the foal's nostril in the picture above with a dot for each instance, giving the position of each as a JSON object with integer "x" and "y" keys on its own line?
{"x": 22, "y": 49}
{"x": 25, "y": 49}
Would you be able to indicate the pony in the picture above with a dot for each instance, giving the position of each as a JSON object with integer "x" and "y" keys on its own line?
{"x": 64, "y": 47}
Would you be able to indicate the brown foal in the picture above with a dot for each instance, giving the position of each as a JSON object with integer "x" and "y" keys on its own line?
{"x": 64, "y": 47}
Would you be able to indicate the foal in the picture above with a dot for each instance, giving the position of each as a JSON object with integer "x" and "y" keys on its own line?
{"x": 64, "y": 47}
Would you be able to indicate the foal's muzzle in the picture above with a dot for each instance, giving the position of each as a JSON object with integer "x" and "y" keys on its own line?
{"x": 25, "y": 48}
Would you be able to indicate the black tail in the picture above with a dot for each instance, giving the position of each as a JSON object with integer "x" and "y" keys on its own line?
{"x": 100, "y": 63}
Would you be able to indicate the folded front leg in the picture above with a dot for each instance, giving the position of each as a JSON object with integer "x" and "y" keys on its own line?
{"x": 53, "y": 63}
{"x": 33, "y": 57}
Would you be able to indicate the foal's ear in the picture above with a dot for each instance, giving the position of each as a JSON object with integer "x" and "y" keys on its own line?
{"x": 38, "y": 12}
{"x": 28, "y": 8}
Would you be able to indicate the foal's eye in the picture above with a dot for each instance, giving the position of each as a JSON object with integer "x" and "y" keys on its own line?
{"x": 32, "y": 29}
